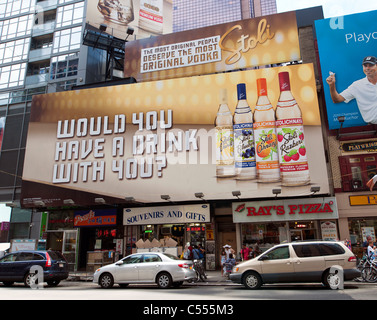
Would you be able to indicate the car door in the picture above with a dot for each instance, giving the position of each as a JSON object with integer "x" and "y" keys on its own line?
{"x": 128, "y": 271}
{"x": 6, "y": 266}
{"x": 23, "y": 264}
{"x": 276, "y": 265}
{"x": 149, "y": 268}
{"x": 309, "y": 264}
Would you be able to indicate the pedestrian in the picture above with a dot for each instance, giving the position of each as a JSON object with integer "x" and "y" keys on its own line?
{"x": 245, "y": 252}
{"x": 228, "y": 249}
{"x": 257, "y": 250}
{"x": 187, "y": 253}
{"x": 222, "y": 261}
{"x": 195, "y": 253}
{"x": 371, "y": 250}
{"x": 229, "y": 264}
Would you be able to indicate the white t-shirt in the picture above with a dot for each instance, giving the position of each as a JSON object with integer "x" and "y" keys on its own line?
{"x": 365, "y": 94}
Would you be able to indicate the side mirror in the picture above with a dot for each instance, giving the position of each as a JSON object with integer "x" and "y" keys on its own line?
{"x": 264, "y": 257}
{"x": 119, "y": 263}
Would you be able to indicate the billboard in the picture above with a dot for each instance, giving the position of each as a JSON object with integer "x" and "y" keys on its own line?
{"x": 343, "y": 43}
{"x": 146, "y": 17}
{"x": 148, "y": 139}
{"x": 2, "y": 125}
{"x": 223, "y": 47}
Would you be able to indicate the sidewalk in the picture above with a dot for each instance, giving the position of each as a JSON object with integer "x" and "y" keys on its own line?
{"x": 214, "y": 278}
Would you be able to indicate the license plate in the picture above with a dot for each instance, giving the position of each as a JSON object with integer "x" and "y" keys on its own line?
{"x": 61, "y": 265}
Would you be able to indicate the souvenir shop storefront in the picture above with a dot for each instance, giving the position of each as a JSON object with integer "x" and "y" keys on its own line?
{"x": 168, "y": 229}
{"x": 268, "y": 223}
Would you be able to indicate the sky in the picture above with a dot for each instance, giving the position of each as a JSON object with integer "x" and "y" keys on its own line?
{"x": 331, "y": 8}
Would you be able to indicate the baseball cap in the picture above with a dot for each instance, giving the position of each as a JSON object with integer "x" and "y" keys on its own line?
{"x": 370, "y": 59}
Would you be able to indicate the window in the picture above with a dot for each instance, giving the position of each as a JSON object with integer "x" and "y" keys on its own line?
{"x": 329, "y": 249}
{"x": 13, "y": 51}
{"x": 12, "y": 76}
{"x": 16, "y": 27}
{"x": 29, "y": 256}
{"x": 10, "y": 8}
{"x": 132, "y": 259}
{"x": 277, "y": 253}
{"x": 64, "y": 66}
{"x": 356, "y": 170}
{"x": 70, "y": 14}
{"x": 307, "y": 250}
{"x": 9, "y": 258}
{"x": 65, "y": 40}
{"x": 152, "y": 258}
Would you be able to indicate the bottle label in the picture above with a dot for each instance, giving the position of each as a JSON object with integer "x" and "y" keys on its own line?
{"x": 244, "y": 151}
{"x": 224, "y": 145}
{"x": 291, "y": 145}
{"x": 266, "y": 146}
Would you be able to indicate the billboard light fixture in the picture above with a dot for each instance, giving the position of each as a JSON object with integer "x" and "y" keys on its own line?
{"x": 236, "y": 194}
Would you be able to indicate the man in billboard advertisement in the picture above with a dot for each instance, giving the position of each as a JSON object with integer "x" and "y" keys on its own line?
{"x": 154, "y": 141}
{"x": 347, "y": 49}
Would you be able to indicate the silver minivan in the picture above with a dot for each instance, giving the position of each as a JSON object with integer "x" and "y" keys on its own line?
{"x": 298, "y": 262}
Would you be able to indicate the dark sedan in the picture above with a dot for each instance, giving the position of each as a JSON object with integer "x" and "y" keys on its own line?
{"x": 23, "y": 266}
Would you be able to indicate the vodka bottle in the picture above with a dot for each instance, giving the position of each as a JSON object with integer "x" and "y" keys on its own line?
{"x": 293, "y": 160}
{"x": 151, "y": 16}
{"x": 244, "y": 150}
{"x": 266, "y": 155}
{"x": 224, "y": 139}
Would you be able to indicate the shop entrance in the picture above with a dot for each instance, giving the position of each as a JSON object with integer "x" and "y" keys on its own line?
{"x": 64, "y": 242}
{"x": 302, "y": 231}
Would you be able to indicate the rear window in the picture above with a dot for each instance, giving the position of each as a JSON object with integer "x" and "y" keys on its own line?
{"x": 329, "y": 249}
{"x": 307, "y": 250}
{"x": 55, "y": 255}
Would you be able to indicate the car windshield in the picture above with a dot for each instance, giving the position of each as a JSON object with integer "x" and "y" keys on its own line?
{"x": 171, "y": 256}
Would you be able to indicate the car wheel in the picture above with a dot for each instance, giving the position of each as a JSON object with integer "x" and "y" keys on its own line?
{"x": 252, "y": 280}
{"x": 164, "y": 280}
{"x": 331, "y": 280}
{"x": 30, "y": 279}
{"x": 106, "y": 281}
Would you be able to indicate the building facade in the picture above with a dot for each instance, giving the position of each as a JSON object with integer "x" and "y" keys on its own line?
{"x": 57, "y": 60}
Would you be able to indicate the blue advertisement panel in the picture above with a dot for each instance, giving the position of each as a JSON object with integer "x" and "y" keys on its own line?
{"x": 347, "y": 49}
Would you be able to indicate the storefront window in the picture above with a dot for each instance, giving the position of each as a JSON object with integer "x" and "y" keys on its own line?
{"x": 360, "y": 229}
{"x": 266, "y": 234}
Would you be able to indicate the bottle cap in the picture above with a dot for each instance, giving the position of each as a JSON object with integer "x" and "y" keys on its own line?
{"x": 262, "y": 87}
{"x": 241, "y": 91}
{"x": 223, "y": 96}
{"x": 284, "y": 81}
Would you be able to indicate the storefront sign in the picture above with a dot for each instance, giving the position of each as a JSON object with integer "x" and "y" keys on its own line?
{"x": 229, "y": 46}
{"x": 369, "y": 146}
{"x": 285, "y": 210}
{"x": 166, "y": 215}
{"x": 365, "y": 200}
{"x": 329, "y": 230}
{"x": 95, "y": 218}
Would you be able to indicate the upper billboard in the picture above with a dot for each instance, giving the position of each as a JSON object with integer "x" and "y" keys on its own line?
{"x": 347, "y": 49}
{"x": 146, "y": 17}
{"x": 148, "y": 139}
{"x": 230, "y": 46}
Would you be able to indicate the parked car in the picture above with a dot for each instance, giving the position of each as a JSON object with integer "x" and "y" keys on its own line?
{"x": 297, "y": 262}
{"x": 17, "y": 267}
{"x": 164, "y": 269}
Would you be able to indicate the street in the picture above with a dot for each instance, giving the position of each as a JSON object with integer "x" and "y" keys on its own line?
{"x": 80, "y": 290}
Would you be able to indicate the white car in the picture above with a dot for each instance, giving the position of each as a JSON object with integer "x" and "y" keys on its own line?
{"x": 151, "y": 267}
